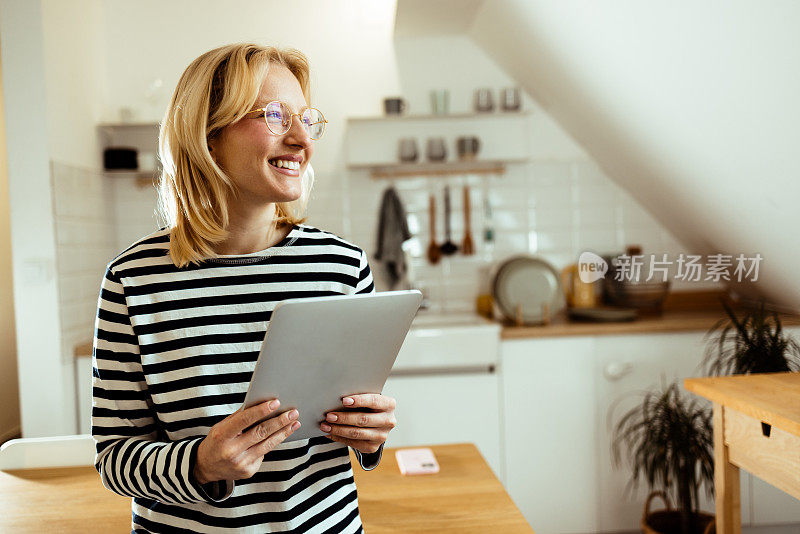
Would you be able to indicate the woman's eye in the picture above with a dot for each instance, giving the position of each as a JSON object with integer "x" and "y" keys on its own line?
{"x": 274, "y": 115}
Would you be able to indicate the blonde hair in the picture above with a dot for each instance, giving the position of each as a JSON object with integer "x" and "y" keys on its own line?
{"x": 216, "y": 89}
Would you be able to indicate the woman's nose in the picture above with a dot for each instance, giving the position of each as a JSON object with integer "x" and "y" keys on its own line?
{"x": 298, "y": 135}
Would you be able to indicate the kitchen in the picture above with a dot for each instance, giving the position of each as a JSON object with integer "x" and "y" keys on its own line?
{"x": 570, "y": 175}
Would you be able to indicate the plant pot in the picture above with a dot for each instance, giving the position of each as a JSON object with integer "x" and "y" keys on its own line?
{"x": 669, "y": 521}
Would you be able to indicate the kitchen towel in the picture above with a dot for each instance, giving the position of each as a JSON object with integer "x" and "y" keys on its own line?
{"x": 392, "y": 233}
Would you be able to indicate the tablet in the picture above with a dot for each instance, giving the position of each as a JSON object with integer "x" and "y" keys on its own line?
{"x": 320, "y": 349}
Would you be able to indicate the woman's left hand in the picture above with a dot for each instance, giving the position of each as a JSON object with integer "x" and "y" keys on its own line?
{"x": 366, "y": 429}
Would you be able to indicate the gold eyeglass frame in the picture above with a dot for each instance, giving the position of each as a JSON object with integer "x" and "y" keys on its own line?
{"x": 291, "y": 118}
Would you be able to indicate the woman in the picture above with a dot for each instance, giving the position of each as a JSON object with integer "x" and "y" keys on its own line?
{"x": 182, "y": 313}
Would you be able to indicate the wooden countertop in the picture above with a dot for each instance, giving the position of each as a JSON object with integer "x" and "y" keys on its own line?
{"x": 669, "y": 321}
{"x": 773, "y": 398}
{"x": 464, "y": 496}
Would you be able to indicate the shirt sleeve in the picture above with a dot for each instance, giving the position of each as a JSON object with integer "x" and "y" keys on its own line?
{"x": 130, "y": 458}
{"x": 365, "y": 283}
{"x": 368, "y": 461}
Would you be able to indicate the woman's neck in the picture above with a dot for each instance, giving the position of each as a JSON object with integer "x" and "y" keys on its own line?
{"x": 252, "y": 232}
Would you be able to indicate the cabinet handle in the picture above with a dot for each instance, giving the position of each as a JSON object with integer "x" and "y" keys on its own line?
{"x": 616, "y": 370}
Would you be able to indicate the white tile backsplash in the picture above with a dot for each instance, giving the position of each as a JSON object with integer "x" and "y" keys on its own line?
{"x": 554, "y": 209}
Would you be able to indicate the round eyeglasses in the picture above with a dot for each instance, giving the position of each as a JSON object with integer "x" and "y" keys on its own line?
{"x": 279, "y": 118}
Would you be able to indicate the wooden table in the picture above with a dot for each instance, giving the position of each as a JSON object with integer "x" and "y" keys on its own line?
{"x": 756, "y": 428}
{"x": 464, "y": 496}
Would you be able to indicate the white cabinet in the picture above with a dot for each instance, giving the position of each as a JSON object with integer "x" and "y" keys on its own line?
{"x": 448, "y": 408}
{"x": 447, "y": 387}
{"x": 561, "y": 398}
{"x": 626, "y": 366}
{"x": 548, "y": 402}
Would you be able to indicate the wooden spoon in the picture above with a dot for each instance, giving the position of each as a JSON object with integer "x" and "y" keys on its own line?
{"x": 467, "y": 246}
{"x": 448, "y": 247}
{"x": 434, "y": 252}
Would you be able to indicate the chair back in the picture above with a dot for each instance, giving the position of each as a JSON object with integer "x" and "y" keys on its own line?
{"x": 55, "y": 451}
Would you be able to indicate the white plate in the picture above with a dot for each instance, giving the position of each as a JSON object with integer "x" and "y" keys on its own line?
{"x": 528, "y": 282}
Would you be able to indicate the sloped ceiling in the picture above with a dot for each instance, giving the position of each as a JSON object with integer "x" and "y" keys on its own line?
{"x": 690, "y": 106}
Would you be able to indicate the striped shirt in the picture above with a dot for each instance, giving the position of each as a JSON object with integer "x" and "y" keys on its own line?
{"x": 174, "y": 350}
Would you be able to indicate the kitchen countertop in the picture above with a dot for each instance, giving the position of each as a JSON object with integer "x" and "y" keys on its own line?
{"x": 669, "y": 321}
{"x": 464, "y": 496}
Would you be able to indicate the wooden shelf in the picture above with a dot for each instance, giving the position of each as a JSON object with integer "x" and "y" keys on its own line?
{"x": 132, "y": 124}
{"x": 447, "y": 168}
{"x": 143, "y": 178}
{"x": 445, "y": 117}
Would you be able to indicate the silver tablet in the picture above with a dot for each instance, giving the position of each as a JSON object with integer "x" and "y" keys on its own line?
{"x": 320, "y": 349}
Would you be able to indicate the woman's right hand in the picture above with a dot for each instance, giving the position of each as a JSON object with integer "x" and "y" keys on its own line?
{"x": 229, "y": 453}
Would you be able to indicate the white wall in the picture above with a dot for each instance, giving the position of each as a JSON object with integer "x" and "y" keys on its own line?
{"x": 46, "y": 395}
{"x": 74, "y": 55}
{"x": 691, "y": 107}
{"x": 9, "y": 383}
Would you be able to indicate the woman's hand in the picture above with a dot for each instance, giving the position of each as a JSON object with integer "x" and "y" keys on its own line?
{"x": 366, "y": 429}
{"x": 229, "y": 453}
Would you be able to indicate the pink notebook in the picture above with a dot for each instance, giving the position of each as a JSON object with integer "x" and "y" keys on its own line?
{"x": 416, "y": 461}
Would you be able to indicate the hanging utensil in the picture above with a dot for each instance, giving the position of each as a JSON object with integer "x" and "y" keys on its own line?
{"x": 467, "y": 246}
{"x": 434, "y": 252}
{"x": 448, "y": 247}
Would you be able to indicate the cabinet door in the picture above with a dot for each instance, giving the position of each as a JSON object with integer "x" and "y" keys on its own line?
{"x": 626, "y": 367}
{"x": 549, "y": 420}
{"x": 448, "y": 408}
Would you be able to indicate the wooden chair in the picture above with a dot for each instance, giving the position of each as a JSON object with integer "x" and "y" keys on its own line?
{"x": 55, "y": 451}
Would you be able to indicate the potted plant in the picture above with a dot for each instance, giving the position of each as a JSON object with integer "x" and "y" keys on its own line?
{"x": 756, "y": 343}
{"x": 671, "y": 445}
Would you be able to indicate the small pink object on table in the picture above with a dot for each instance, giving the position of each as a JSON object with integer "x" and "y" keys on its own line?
{"x": 416, "y": 461}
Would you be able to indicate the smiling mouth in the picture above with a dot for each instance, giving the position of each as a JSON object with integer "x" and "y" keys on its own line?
{"x": 284, "y": 170}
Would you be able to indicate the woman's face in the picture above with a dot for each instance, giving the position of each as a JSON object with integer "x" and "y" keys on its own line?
{"x": 247, "y": 151}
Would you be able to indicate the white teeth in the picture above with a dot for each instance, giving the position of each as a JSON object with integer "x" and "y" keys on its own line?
{"x": 285, "y": 164}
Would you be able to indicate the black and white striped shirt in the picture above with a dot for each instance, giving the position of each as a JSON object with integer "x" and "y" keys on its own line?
{"x": 174, "y": 350}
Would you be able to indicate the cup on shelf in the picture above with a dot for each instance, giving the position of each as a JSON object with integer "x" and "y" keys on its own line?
{"x": 440, "y": 101}
{"x": 510, "y": 99}
{"x": 484, "y": 101}
{"x": 467, "y": 147}
{"x": 394, "y": 105}
{"x": 437, "y": 151}
{"x": 407, "y": 150}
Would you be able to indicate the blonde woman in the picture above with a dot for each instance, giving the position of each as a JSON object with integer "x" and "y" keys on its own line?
{"x": 182, "y": 313}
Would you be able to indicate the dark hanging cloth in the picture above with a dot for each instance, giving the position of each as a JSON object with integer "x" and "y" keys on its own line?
{"x": 392, "y": 233}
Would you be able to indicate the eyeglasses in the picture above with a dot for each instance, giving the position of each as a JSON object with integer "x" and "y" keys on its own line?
{"x": 279, "y": 118}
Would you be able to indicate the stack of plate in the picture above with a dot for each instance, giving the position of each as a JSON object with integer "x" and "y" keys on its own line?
{"x": 525, "y": 284}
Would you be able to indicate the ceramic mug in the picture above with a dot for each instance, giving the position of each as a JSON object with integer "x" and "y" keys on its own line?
{"x": 437, "y": 151}
{"x": 394, "y": 105}
{"x": 407, "y": 150}
{"x": 467, "y": 147}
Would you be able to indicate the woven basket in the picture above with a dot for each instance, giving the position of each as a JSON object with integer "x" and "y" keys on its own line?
{"x": 669, "y": 521}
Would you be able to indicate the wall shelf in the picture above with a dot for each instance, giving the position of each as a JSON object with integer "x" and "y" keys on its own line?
{"x": 373, "y": 142}
{"x": 405, "y": 170}
{"x": 489, "y": 115}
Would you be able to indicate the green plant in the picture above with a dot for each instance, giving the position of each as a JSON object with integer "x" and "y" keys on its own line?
{"x": 756, "y": 343}
{"x": 670, "y": 443}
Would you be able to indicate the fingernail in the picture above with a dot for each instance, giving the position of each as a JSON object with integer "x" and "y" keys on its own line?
{"x": 332, "y": 417}
{"x": 296, "y": 425}
{"x": 274, "y": 404}
{"x": 347, "y": 401}
{"x": 293, "y": 414}
{"x": 325, "y": 428}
